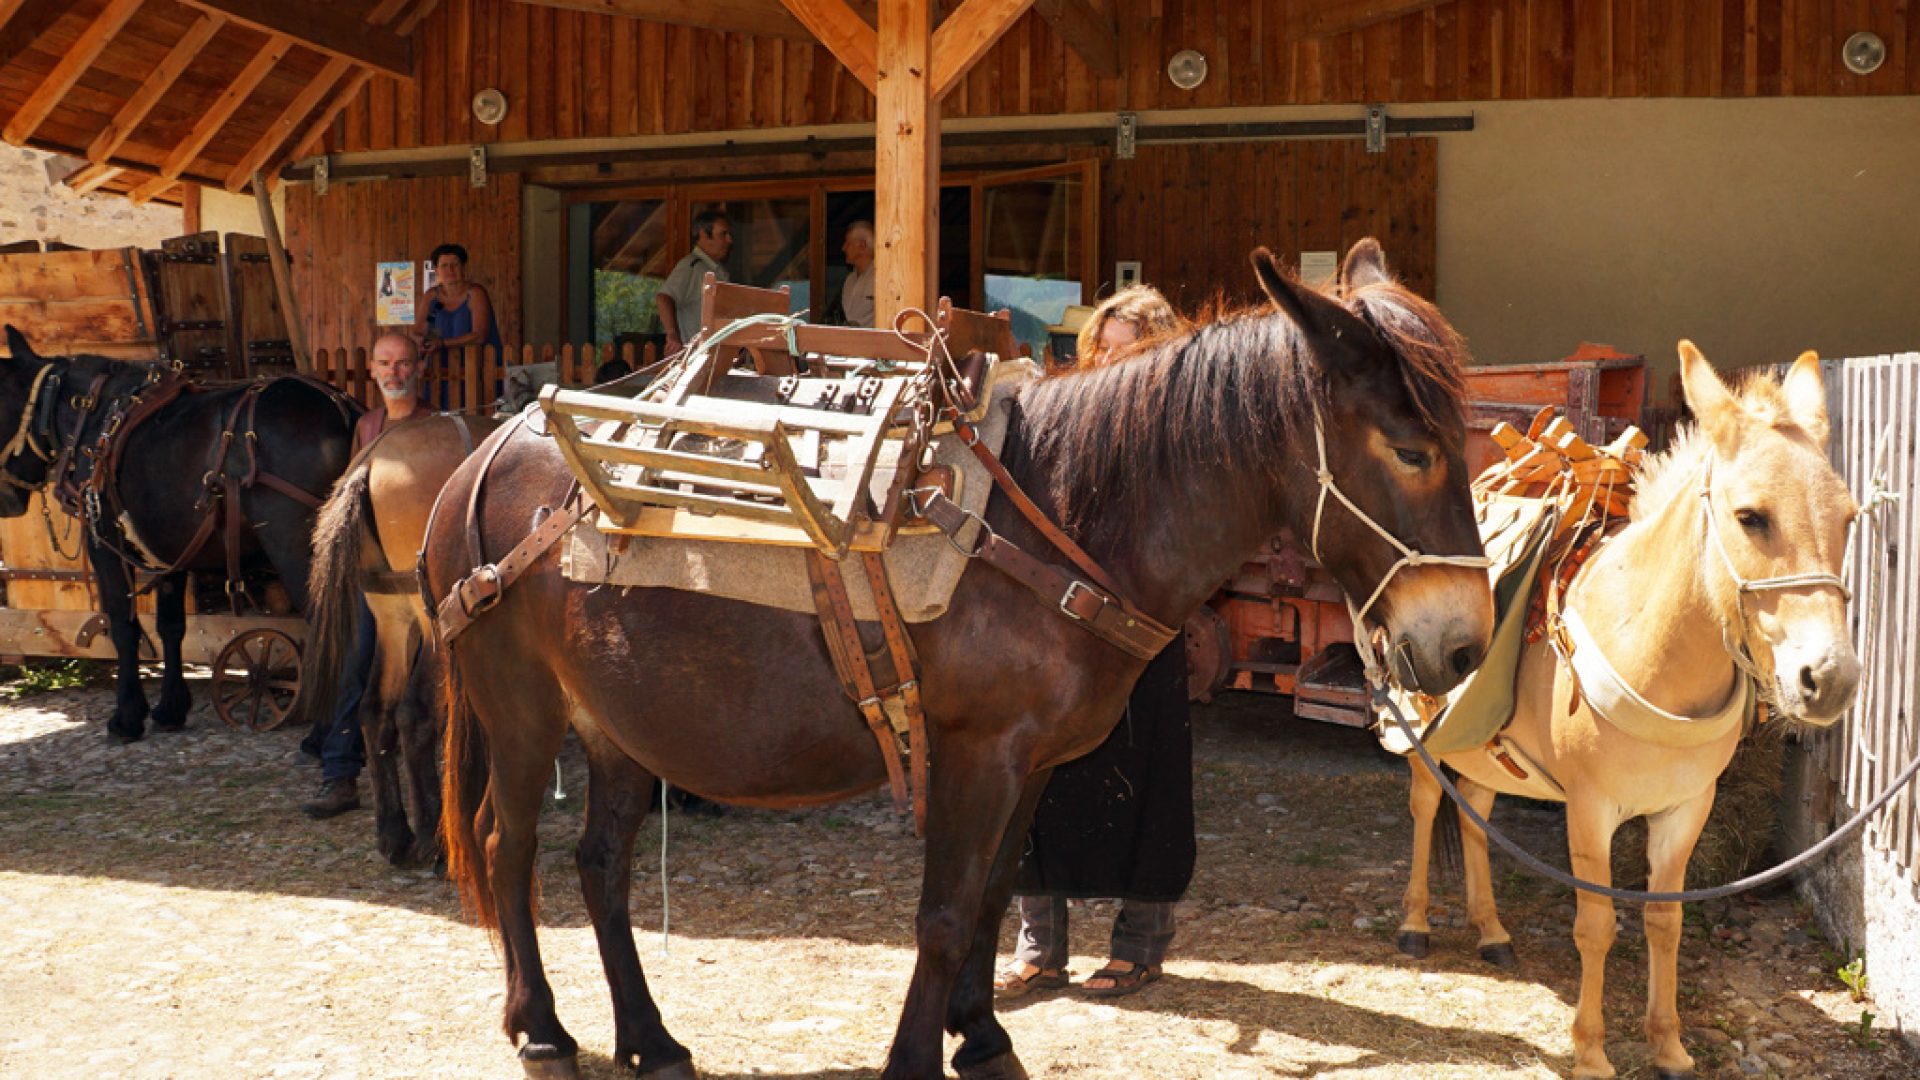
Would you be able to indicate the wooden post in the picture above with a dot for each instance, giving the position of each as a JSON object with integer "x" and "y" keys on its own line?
{"x": 282, "y": 278}
{"x": 906, "y": 162}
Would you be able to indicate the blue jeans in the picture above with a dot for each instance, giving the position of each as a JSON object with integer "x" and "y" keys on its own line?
{"x": 343, "y": 753}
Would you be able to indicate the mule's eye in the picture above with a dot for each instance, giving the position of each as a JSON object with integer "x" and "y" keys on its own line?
{"x": 1751, "y": 520}
{"x": 1414, "y": 459}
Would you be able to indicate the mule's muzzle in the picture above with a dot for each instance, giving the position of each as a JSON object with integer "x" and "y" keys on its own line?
{"x": 1440, "y": 625}
{"x": 1815, "y": 685}
{"x": 1436, "y": 668}
{"x": 13, "y": 503}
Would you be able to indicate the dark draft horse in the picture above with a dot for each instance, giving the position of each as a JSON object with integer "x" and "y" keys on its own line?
{"x": 1169, "y": 468}
{"x": 169, "y": 465}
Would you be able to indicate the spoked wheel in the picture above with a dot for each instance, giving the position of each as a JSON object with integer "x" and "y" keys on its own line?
{"x": 256, "y": 679}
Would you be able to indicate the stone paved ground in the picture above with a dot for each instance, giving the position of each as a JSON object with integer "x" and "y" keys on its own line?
{"x": 165, "y": 912}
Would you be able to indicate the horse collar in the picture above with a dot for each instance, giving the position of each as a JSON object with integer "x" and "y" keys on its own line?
{"x": 1613, "y": 700}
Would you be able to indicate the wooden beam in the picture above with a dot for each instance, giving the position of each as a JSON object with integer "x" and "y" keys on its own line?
{"x": 1087, "y": 31}
{"x": 336, "y": 29}
{"x": 1325, "y": 18}
{"x": 23, "y": 21}
{"x": 906, "y": 162}
{"x": 966, "y": 35}
{"x": 762, "y": 18}
{"x": 153, "y": 88}
{"x": 210, "y": 122}
{"x": 845, "y": 34}
{"x": 74, "y": 64}
{"x": 289, "y": 118}
{"x": 89, "y": 177}
{"x": 353, "y": 86}
{"x": 282, "y": 277}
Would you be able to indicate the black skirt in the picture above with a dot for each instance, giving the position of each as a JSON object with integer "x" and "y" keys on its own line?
{"x": 1118, "y": 823}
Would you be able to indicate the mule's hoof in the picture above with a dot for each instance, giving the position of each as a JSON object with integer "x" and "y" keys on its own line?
{"x": 1500, "y": 955}
{"x": 1004, "y": 1067}
{"x": 543, "y": 1061}
{"x": 679, "y": 1070}
{"x": 1413, "y": 944}
{"x": 1674, "y": 1074}
{"x": 121, "y": 738}
{"x": 170, "y": 728}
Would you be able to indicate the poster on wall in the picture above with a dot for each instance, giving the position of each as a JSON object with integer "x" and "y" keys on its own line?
{"x": 393, "y": 294}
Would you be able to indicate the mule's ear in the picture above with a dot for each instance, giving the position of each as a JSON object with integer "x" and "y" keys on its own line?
{"x": 17, "y": 346}
{"x": 1712, "y": 403}
{"x": 1307, "y": 308}
{"x": 1807, "y": 396}
{"x": 1366, "y": 265}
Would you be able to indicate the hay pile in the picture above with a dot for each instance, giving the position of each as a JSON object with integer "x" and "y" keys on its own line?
{"x": 1741, "y": 829}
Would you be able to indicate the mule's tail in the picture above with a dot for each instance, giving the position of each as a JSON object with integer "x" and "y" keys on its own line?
{"x": 463, "y": 801}
{"x": 334, "y": 595}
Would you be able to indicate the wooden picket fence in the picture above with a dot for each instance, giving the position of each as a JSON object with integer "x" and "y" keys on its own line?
{"x": 1874, "y": 407}
{"x": 468, "y": 379}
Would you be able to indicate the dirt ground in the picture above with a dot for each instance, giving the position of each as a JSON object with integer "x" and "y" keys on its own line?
{"x": 166, "y": 912}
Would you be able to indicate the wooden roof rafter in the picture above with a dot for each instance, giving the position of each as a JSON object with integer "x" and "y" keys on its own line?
{"x": 354, "y": 83}
{"x": 1326, "y": 18}
{"x": 153, "y": 88}
{"x": 216, "y": 116}
{"x": 761, "y": 18}
{"x": 850, "y": 38}
{"x": 341, "y": 30}
{"x": 966, "y": 35}
{"x": 73, "y": 64}
{"x": 1088, "y": 31}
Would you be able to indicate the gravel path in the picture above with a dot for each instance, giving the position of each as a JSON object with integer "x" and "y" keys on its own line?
{"x": 168, "y": 913}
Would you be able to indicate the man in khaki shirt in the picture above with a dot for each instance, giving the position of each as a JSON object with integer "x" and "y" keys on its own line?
{"x": 678, "y": 300}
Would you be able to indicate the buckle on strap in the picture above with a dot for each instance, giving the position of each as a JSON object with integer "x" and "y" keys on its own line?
{"x": 479, "y": 590}
{"x": 1067, "y": 598}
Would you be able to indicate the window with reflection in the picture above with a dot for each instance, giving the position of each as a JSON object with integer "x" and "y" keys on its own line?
{"x": 772, "y": 244}
{"x": 1033, "y": 251}
{"x": 627, "y": 242}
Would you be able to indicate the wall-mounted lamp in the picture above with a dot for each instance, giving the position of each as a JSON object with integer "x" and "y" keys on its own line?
{"x": 1187, "y": 69}
{"x": 1864, "y": 52}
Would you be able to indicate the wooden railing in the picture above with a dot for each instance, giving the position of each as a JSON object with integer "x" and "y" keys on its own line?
{"x": 468, "y": 379}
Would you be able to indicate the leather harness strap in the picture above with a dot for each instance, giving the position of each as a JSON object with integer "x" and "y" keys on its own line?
{"x": 906, "y": 667}
{"x": 1102, "y": 614}
{"x": 1034, "y": 515}
{"x": 850, "y": 661}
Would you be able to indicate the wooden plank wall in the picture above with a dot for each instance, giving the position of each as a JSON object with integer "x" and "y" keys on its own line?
{"x": 335, "y": 239}
{"x": 569, "y": 74}
{"x": 1191, "y": 213}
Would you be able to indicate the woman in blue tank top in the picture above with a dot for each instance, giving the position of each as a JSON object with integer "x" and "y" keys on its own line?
{"x": 457, "y": 312}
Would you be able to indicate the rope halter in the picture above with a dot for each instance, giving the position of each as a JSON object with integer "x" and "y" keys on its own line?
{"x": 1408, "y": 555}
{"x": 1742, "y": 650}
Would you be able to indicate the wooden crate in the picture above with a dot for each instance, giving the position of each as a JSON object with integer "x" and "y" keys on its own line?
{"x": 81, "y": 302}
{"x": 1600, "y": 392}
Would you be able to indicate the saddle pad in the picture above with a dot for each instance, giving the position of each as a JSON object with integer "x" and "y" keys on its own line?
{"x": 924, "y": 568}
{"x": 1517, "y": 532}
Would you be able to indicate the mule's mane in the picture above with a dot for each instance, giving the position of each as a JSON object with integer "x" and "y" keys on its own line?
{"x": 1668, "y": 475}
{"x": 1233, "y": 393}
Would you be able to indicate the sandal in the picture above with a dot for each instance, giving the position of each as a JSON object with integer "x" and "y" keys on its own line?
{"x": 1024, "y": 980}
{"x": 1125, "y": 980}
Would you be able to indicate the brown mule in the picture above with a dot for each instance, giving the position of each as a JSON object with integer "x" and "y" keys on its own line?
{"x": 1168, "y": 468}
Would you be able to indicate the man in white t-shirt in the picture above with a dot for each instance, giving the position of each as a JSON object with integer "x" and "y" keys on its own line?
{"x": 678, "y": 300}
{"x": 856, "y": 293}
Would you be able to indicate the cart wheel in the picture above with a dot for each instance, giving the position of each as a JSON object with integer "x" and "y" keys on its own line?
{"x": 256, "y": 679}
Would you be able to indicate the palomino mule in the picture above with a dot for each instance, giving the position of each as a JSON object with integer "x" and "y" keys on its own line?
{"x": 1723, "y": 589}
{"x": 366, "y": 544}
{"x": 1168, "y": 467}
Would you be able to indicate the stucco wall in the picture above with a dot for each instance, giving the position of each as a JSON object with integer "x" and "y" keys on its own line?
{"x": 31, "y": 208}
{"x": 229, "y": 212}
{"x": 1757, "y": 228}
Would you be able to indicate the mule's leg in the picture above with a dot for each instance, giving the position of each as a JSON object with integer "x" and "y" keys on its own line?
{"x": 420, "y": 727}
{"x": 1590, "y": 825}
{"x": 129, "y": 722}
{"x": 619, "y": 794}
{"x": 970, "y": 1007}
{"x": 974, "y": 796}
{"x": 1423, "y": 802}
{"x": 1496, "y": 945}
{"x": 380, "y": 731}
{"x": 1670, "y": 839}
{"x": 170, "y": 621}
{"x": 521, "y": 750}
